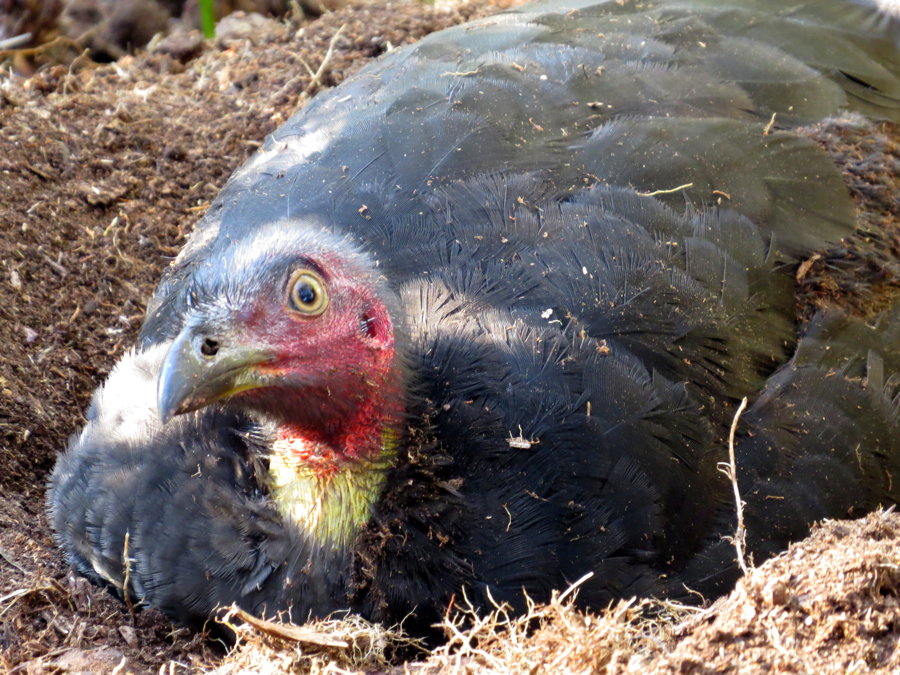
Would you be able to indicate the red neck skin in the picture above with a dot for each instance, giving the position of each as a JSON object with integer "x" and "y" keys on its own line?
{"x": 354, "y": 437}
{"x": 353, "y": 417}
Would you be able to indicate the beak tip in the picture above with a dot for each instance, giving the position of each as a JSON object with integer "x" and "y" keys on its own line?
{"x": 188, "y": 381}
{"x": 164, "y": 408}
{"x": 165, "y": 416}
{"x": 170, "y": 393}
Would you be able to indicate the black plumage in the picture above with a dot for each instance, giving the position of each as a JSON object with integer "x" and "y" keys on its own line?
{"x": 523, "y": 271}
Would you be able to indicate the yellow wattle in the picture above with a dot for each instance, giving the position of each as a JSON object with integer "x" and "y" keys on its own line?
{"x": 330, "y": 506}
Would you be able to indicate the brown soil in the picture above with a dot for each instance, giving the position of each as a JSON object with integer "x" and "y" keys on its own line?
{"x": 103, "y": 169}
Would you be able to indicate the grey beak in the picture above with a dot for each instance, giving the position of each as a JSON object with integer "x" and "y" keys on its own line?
{"x": 198, "y": 371}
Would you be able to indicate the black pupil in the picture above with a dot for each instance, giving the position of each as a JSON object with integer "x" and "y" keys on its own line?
{"x": 306, "y": 294}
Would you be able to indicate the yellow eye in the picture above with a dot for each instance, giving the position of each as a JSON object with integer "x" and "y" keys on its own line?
{"x": 308, "y": 295}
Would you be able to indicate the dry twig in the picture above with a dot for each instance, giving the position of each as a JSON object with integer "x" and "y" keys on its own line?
{"x": 331, "y": 645}
{"x": 316, "y": 81}
{"x": 730, "y": 470}
{"x": 126, "y": 562}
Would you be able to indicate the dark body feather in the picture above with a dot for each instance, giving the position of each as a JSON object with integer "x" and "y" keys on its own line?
{"x": 498, "y": 178}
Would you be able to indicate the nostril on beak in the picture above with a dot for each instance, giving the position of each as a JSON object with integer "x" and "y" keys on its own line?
{"x": 209, "y": 348}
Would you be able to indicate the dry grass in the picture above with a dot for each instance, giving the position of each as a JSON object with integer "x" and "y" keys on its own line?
{"x": 828, "y": 606}
{"x": 552, "y": 638}
{"x": 557, "y": 638}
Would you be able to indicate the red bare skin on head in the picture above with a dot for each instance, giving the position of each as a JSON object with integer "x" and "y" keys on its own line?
{"x": 342, "y": 387}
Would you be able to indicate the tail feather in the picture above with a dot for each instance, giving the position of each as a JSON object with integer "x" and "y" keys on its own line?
{"x": 821, "y": 442}
{"x": 823, "y": 437}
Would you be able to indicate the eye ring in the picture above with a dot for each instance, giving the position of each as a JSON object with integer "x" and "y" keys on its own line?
{"x": 307, "y": 294}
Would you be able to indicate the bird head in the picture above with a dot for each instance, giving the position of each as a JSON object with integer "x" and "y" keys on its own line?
{"x": 294, "y": 324}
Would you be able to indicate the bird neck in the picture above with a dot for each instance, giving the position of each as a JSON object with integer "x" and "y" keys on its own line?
{"x": 326, "y": 478}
